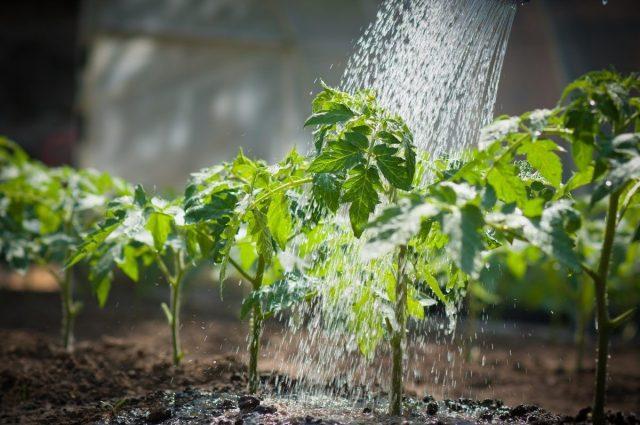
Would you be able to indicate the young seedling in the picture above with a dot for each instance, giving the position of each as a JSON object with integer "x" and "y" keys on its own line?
{"x": 249, "y": 212}
{"x": 364, "y": 153}
{"x": 140, "y": 231}
{"x": 602, "y": 110}
{"x": 519, "y": 177}
{"x": 571, "y": 295}
{"x": 45, "y": 214}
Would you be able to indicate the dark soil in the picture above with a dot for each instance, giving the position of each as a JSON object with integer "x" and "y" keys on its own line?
{"x": 128, "y": 378}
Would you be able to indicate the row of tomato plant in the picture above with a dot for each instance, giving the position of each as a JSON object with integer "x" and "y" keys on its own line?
{"x": 442, "y": 220}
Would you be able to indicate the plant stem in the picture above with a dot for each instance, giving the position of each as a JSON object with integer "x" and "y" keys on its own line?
{"x": 69, "y": 309}
{"x": 602, "y": 310}
{"x": 579, "y": 338}
{"x": 256, "y": 331}
{"x": 398, "y": 337}
{"x": 175, "y": 323}
{"x": 288, "y": 185}
{"x": 175, "y": 283}
{"x": 240, "y": 270}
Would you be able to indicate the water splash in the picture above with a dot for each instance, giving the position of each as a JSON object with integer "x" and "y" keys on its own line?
{"x": 437, "y": 64}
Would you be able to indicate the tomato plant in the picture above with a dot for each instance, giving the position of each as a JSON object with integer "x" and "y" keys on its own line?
{"x": 140, "y": 231}
{"x": 364, "y": 153}
{"x": 512, "y": 189}
{"x": 602, "y": 110}
{"x": 45, "y": 214}
{"x": 250, "y": 212}
{"x": 572, "y": 295}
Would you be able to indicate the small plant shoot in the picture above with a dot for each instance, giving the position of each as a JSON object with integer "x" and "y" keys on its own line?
{"x": 248, "y": 211}
{"x": 511, "y": 188}
{"x": 45, "y": 214}
{"x": 140, "y": 231}
{"x": 363, "y": 154}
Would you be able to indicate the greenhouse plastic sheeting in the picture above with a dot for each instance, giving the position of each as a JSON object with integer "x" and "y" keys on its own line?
{"x": 173, "y": 86}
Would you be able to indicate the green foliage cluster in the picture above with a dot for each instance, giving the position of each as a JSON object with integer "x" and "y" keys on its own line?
{"x": 45, "y": 213}
{"x": 511, "y": 190}
{"x": 362, "y": 151}
{"x": 512, "y": 202}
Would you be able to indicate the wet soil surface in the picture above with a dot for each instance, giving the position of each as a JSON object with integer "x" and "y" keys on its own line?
{"x": 127, "y": 378}
{"x": 114, "y": 381}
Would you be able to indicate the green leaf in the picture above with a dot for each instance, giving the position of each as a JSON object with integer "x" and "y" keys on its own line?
{"x": 167, "y": 313}
{"x": 279, "y": 220}
{"x": 282, "y": 295}
{"x": 394, "y": 169}
{"x": 425, "y": 274}
{"x": 159, "y": 225}
{"x": 338, "y": 113}
{"x": 358, "y": 139}
{"x": 464, "y": 228}
{"x": 507, "y": 184}
{"x": 533, "y": 207}
{"x": 552, "y": 232}
{"x": 102, "y": 288}
{"x": 50, "y": 221}
{"x": 140, "y": 196}
{"x": 220, "y": 204}
{"x": 583, "y": 123}
{"x": 636, "y": 235}
{"x": 617, "y": 179}
{"x": 250, "y": 171}
{"x": 582, "y": 153}
{"x": 540, "y": 154}
{"x": 388, "y": 137}
{"x": 410, "y": 159}
{"x": 516, "y": 264}
{"x": 360, "y": 191}
{"x": 260, "y": 233}
{"x": 627, "y": 143}
{"x": 326, "y": 189}
{"x": 94, "y": 241}
{"x": 396, "y": 225}
{"x": 579, "y": 179}
{"x": 498, "y": 129}
{"x": 337, "y": 156}
{"x": 227, "y": 240}
{"x": 128, "y": 263}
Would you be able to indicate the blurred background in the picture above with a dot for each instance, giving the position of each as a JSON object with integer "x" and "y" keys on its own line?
{"x": 152, "y": 90}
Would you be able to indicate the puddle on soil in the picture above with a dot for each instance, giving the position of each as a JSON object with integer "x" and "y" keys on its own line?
{"x": 204, "y": 407}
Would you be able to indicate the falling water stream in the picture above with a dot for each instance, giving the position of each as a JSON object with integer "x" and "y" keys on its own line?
{"x": 437, "y": 64}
